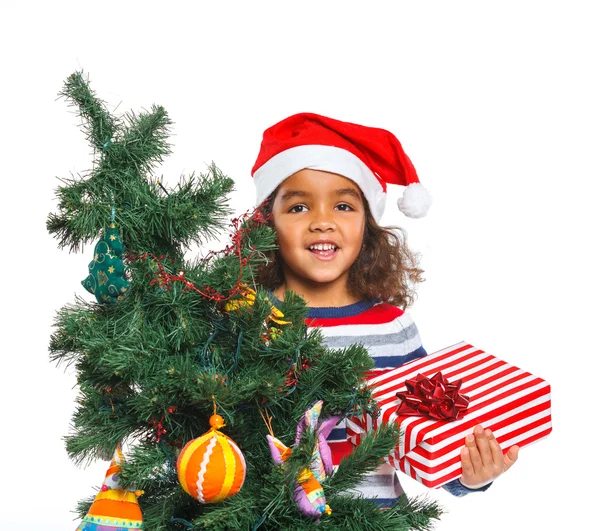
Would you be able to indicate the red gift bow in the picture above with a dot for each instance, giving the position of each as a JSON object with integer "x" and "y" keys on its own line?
{"x": 433, "y": 397}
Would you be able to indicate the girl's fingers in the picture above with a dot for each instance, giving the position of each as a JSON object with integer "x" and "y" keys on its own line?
{"x": 473, "y": 452}
{"x": 511, "y": 457}
{"x": 495, "y": 450}
{"x": 483, "y": 444}
{"x": 465, "y": 459}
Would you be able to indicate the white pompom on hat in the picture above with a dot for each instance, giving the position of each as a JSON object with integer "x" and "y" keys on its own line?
{"x": 371, "y": 157}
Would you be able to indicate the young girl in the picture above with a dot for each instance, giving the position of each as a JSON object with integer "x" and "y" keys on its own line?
{"x": 326, "y": 183}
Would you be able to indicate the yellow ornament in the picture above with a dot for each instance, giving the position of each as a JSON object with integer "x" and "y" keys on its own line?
{"x": 248, "y": 298}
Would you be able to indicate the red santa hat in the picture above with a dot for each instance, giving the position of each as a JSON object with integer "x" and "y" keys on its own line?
{"x": 371, "y": 157}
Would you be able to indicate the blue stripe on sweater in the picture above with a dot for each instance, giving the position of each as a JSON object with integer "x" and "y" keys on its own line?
{"x": 332, "y": 311}
{"x": 337, "y": 434}
{"x": 391, "y": 362}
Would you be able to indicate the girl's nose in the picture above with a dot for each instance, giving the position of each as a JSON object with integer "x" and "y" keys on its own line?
{"x": 322, "y": 221}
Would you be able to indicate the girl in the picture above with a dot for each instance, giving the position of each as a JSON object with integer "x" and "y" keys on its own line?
{"x": 326, "y": 183}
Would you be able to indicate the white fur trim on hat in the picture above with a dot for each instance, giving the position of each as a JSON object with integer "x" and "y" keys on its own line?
{"x": 317, "y": 157}
{"x": 415, "y": 201}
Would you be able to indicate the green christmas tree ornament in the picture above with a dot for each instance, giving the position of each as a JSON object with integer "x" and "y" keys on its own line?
{"x": 107, "y": 279}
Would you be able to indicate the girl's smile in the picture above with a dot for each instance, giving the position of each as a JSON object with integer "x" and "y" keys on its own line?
{"x": 324, "y": 249}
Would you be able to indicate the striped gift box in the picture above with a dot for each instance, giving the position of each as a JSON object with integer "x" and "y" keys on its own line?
{"x": 511, "y": 402}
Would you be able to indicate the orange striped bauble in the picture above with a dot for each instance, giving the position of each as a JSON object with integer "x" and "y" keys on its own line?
{"x": 211, "y": 468}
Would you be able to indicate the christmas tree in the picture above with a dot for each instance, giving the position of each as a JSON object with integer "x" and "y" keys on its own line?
{"x": 171, "y": 349}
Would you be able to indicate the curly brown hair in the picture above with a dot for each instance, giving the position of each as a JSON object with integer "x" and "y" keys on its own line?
{"x": 385, "y": 269}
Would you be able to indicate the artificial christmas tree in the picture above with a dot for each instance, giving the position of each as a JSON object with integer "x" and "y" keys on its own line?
{"x": 184, "y": 340}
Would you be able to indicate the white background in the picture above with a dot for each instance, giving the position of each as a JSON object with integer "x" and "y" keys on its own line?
{"x": 496, "y": 103}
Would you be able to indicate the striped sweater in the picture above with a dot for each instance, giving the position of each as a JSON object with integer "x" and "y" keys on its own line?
{"x": 392, "y": 339}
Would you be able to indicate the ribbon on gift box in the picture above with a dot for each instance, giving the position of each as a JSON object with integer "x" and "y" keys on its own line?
{"x": 434, "y": 397}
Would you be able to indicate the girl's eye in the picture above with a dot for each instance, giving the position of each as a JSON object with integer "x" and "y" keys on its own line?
{"x": 347, "y": 208}
{"x": 296, "y": 206}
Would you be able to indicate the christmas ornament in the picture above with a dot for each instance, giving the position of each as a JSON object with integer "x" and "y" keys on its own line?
{"x": 309, "y": 494}
{"x": 107, "y": 272}
{"x": 434, "y": 397}
{"x": 248, "y": 296}
{"x": 114, "y": 509}
{"x": 211, "y": 468}
{"x": 369, "y": 156}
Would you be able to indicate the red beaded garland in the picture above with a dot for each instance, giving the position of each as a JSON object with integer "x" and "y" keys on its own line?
{"x": 165, "y": 279}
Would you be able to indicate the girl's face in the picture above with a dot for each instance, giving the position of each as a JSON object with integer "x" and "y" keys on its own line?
{"x": 311, "y": 208}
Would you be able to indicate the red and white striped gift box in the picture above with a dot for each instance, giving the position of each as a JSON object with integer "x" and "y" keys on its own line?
{"x": 511, "y": 402}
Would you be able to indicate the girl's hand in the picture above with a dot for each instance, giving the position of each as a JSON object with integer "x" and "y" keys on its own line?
{"x": 482, "y": 459}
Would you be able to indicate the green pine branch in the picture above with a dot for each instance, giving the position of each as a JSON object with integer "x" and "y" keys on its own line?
{"x": 126, "y": 152}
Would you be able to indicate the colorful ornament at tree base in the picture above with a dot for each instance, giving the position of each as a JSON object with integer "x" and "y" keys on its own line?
{"x": 309, "y": 494}
{"x": 211, "y": 468}
{"x": 114, "y": 509}
{"x": 107, "y": 279}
